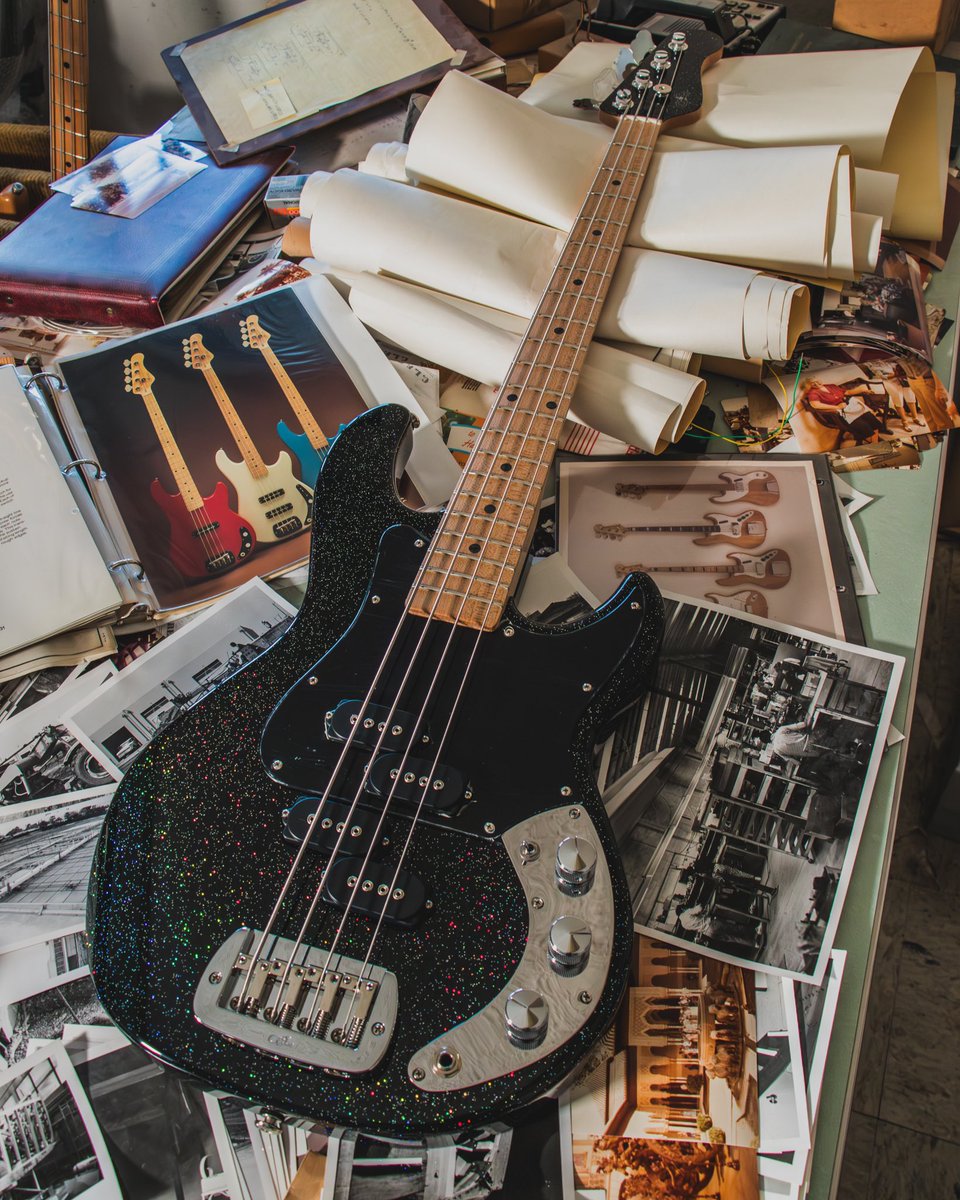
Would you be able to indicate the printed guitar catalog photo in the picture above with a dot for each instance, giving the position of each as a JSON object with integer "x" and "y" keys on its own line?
{"x": 480, "y": 542}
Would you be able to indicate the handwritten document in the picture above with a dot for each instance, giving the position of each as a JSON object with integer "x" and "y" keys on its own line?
{"x": 298, "y": 60}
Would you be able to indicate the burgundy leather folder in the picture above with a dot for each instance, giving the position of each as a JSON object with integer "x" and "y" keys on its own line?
{"x": 72, "y": 265}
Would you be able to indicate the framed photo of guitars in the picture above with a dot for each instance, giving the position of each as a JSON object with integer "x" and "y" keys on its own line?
{"x": 759, "y": 537}
{"x": 203, "y": 440}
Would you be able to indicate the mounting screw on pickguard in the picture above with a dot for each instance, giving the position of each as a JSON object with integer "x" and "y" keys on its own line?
{"x": 536, "y": 901}
{"x": 313, "y": 681}
{"x": 216, "y": 977}
{"x": 420, "y": 543}
{"x": 587, "y": 687}
{"x": 374, "y": 599}
{"x": 508, "y": 631}
{"x": 635, "y": 605}
{"x": 418, "y": 1074}
{"x": 566, "y": 791}
{"x": 584, "y": 997}
{"x": 277, "y": 764}
{"x": 575, "y": 814}
{"x": 489, "y": 827}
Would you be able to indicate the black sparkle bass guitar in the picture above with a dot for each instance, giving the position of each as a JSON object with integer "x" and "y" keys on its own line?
{"x": 392, "y": 899}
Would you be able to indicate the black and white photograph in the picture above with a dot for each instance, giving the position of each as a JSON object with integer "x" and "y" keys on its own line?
{"x": 155, "y": 1124}
{"x": 738, "y": 786}
{"x": 46, "y": 776}
{"x": 784, "y": 1119}
{"x": 30, "y": 1021}
{"x": 20, "y": 693}
{"x": 817, "y": 1009}
{"x": 50, "y": 1145}
{"x": 148, "y": 694}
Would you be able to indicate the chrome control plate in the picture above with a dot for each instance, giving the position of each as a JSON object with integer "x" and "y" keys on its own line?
{"x": 479, "y": 1049}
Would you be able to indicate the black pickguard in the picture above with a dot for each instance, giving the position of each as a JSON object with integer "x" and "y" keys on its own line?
{"x": 192, "y": 846}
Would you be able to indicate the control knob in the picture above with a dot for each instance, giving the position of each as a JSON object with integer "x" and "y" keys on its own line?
{"x": 576, "y": 864}
{"x": 525, "y": 1013}
{"x": 569, "y": 945}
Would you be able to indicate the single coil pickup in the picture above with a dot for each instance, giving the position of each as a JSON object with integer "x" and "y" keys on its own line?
{"x": 373, "y": 890}
{"x": 300, "y": 822}
{"x": 275, "y": 495}
{"x": 441, "y": 787}
{"x": 204, "y": 530}
{"x": 288, "y": 527}
{"x": 373, "y": 725}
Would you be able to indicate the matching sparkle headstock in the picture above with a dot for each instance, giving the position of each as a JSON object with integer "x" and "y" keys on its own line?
{"x": 665, "y": 85}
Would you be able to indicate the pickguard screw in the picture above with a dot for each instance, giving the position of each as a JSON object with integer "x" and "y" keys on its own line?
{"x": 508, "y": 631}
{"x": 313, "y": 681}
{"x": 587, "y": 687}
{"x": 216, "y": 977}
{"x": 374, "y": 599}
{"x": 537, "y": 901}
{"x": 584, "y": 997}
{"x": 419, "y": 543}
{"x": 489, "y": 827}
{"x": 428, "y": 904}
{"x": 566, "y": 791}
{"x": 277, "y": 764}
{"x": 575, "y": 813}
{"x": 418, "y": 1075}
{"x": 635, "y": 605}
{"x": 329, "y": 715}
{"x": 378, "y": 1029}
{"x": 285, "y": 814}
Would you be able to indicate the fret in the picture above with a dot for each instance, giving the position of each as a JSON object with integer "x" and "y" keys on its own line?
{"x": 495, "y": 519}
{"x": 472, "y": 577}
{"x": 490, "y": 541}
{"x": 513, "y": 433}
{"x": 74, "y": 83}
{"x": 536, "y": 463}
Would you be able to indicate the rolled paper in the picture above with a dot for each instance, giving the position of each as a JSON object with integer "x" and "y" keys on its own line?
{"x": 386, "y": 159}
{"x": 785, "y": 208}
{"x": 626, "y": 396}
{"x": 364, "y": 223}
{"x": 296, "y": 238}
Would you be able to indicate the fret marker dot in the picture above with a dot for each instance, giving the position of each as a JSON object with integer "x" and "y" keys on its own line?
{"x": 558, "y": 329}
{"x": 504, "y": 466}
{"x": 597, "y": 232}
{"x": 614, "y": 182}
{"x": 474, "y": 547}
{"x": 551, "y": 404}
{"x": 489, "y": 508}
{"x": 513, "y": 396}
{"x": 577, "y": 282}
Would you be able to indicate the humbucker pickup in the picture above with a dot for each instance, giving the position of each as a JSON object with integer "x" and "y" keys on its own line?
{"x": 300, "y": 821}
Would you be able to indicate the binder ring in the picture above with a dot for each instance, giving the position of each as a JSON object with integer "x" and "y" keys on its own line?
{"x": 98, "y": 471}
{"x": 54, "y": 379}
{"x": 127, "y": 562}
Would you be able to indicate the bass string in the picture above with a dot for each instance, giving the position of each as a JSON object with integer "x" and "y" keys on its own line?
{"x": 531, "y": 483}
{"x": 299, "y": 857}
{"x": 640, "y": 146}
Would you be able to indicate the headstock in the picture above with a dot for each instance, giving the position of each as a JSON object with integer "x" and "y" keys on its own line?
{"x": 195, "y": 353}
{"x": 665, "y": 85}
{"x": 252, "y": 332}
{"x": 614, "y": 532}
{"x": 137, "y": 378}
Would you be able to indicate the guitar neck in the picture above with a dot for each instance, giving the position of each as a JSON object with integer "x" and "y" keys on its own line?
{"x": 69, "y": 84}
{"x": 692, "y": 568}
{"x": 671, "y": 529}
{"x": 251, "y": 456}
{"x": 308, "y": 422}
{"x": 474, "y": 561}
{"x": 175, "y": 460}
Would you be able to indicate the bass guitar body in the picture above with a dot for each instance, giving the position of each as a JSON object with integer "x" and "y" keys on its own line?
{"x": 207, "y": 540}
{"x": 457, "y": 933}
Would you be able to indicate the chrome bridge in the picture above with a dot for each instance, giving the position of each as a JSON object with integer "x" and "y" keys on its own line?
{"x": 339, "y": 1019}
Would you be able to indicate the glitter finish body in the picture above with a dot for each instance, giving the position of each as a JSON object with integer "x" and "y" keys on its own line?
{"x": 192, "y": 847}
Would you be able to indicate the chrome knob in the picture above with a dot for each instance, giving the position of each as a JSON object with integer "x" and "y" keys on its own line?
{"x": 576, "y": 864}
{"x": 569, "y": 945}
{"x": 525, "y": 1013}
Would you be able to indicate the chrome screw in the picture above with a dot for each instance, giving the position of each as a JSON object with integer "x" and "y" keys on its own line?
{"x": 584, "y": 997}
{"x": 537, "y": 901}
{"x": 216, "y": 977}
{"x": 575, "y": 813}
{"x": 566, "y": 791}
{"x": 417, "y": 1075}
{"x": 374, "y": 599}
{"x": 489, "y": 827}
{"x": 378, "y": 1029}
{"x": 587, "y": 687}
{"x": 508, "y": 631}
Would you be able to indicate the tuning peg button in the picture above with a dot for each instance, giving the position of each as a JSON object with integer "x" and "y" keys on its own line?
{"x": 576, "y": 865}
{"x": 525, "y": 1013}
